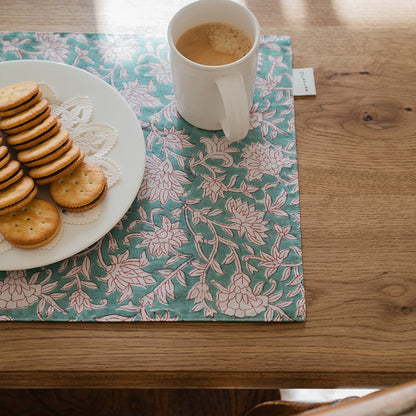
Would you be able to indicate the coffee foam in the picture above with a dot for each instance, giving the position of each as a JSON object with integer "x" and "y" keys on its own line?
{"x": 227, "y": 39}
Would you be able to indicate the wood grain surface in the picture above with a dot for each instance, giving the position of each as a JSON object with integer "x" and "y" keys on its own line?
{"x": 356, "y": 143}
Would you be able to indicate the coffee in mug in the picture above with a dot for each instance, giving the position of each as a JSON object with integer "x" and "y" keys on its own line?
{"x": 214, "y": 43}
{"x": 215, "y": 95}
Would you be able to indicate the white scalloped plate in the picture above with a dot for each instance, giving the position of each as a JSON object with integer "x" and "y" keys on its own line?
{"x": 129, "y": 153}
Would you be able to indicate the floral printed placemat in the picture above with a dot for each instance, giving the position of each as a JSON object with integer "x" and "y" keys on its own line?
{"x": 214, "y": 233}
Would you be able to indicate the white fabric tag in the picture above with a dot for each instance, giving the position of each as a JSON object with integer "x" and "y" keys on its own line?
{"x": 303, "y": 82}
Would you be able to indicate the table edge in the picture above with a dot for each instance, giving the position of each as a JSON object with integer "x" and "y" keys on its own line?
{"x": 204, "y": 379}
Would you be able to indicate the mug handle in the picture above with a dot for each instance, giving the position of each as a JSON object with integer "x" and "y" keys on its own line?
{"x": 234, "y": 97}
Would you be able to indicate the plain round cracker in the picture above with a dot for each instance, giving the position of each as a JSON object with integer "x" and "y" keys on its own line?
{"x": 33, "y": 225}
{"x": 17, "y": 93}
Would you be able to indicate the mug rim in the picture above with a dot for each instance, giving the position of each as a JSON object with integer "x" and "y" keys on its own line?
{"x": 252, "y": 50}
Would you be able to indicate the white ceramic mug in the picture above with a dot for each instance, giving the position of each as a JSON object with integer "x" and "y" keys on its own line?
{"x": 215, "y": 97}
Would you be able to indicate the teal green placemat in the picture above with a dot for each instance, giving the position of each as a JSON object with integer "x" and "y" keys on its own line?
{"x": 214, "y": 233}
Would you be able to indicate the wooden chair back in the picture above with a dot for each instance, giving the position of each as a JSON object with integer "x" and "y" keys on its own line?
{"x": 395, "y": 401}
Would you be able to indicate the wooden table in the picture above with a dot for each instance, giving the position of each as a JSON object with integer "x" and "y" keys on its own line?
{"x": 356, "y": 145}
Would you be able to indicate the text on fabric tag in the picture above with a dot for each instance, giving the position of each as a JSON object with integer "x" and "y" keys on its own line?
{"x": 303, "y": 82}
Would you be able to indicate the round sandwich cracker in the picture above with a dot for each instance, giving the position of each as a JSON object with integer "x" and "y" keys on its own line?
{"x": 80, "y": 190}
{"x": 22, "y": 107}
{"x": 50, "y": 157}
{"x": 33, "y": 122}
{"x": 10, "y": 173}
{"x": 36, "y": 155}
{"x": 19, "y": 119}
{"x": 35, "y": 135}
{"x": 17, "y": 93}
{"x": 59, "y": 167}
{"x": 12, "y": 179}
{"x": 33, "y": 225}
{"x": 17, "y": 195}
{"x": 4, "y": 156}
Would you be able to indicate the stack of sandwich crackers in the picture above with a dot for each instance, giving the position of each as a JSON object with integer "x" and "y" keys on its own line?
{"x": 44, "y": 155}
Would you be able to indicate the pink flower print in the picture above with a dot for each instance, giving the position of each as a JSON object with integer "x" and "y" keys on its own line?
{"x": 52, "y": 47}
{"x": 123, "y": 273}
{"x": 213, "y": 187}
{"x": 219, "y": 148}
{"x": 256, "y": 118}
{"x": 273, "y": 261}
{"x": 291, "y": 126}
{"x": 161, "y": 71}
{"x": 284, "y": 232}
{"x": 293, "y": 180}
{"x": 261, "y": 159}
{"x": 246, "y": 220}
{"x": 162, "y": 181}
{"x": 123, "y": 74}
{"x": 278, "y": 61}
{"x": 200, "y": 292}
{"x": 112, "y": 243}
{"x": 166, "y": 317}
{"x": 83, "y": 54}
{"x": 117, "y": 48}
{"x": 79, "y": 300}
{"x": 270, "y": 42}
{"x": 268, "y": 84}
{"x": 175, "y": 139}
{"x": 14, "y": 46}
{"x": 164, "y": 239}
{"x": 238, "y": 299}
{"x": 16, "y": 292}
{"x": 296, "y": 216}
{"x": 140, "y": 95}
{"x": 260, "y": 116}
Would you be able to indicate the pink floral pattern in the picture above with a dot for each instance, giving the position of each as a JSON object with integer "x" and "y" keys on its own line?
{"x": 123, "y": 273}
{"x": 162, "y": 181}
{"x": 247, "y": 221}
{"x": 214, "y": 233}
{"x": 260, "y": 159}
{"x": 16, "y": 292}
{"x": 163, "y": 240}
{"x": 238, "y": 299}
